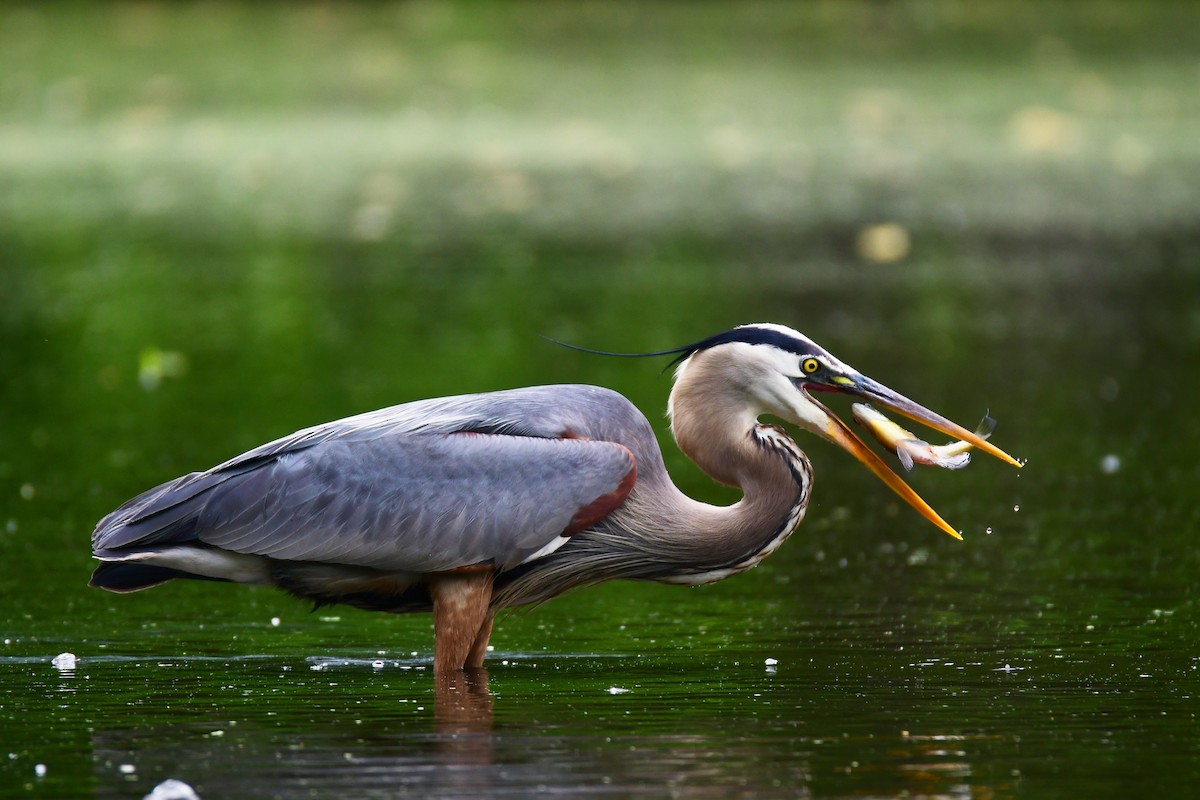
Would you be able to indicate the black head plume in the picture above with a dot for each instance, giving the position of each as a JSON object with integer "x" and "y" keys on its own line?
{"x": 776, "y": 336}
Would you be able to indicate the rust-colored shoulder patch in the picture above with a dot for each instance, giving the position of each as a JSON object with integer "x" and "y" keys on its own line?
{"x": 605, "y": 504}
{"x": 469, "y": 569}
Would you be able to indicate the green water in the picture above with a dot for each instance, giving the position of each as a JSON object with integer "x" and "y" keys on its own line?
{"x": 221, "y": 223}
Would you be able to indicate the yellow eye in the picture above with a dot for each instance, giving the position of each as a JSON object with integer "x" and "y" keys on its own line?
{"x": 810, "y": 365}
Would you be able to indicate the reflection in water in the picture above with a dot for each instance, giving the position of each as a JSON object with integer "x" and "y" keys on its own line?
{"x": 463, "y": 721}
{"x": 936, "y": 765}
{"x": 455, "y": 751}
{"x": 248, "y": 760}
{"x": 464, "y": 704}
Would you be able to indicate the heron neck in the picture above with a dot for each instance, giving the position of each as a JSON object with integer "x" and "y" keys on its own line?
{"x": 724, "y": 438}
{"x": 660, "y": 533}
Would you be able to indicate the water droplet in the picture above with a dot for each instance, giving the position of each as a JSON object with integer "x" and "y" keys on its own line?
{"x": 989, "y": 531}
{"x": 1110, "y": 464}
{"x": 1016, "y": 508}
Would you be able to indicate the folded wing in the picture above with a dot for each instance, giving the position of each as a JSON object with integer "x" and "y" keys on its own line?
{"x": 418, "y": 488}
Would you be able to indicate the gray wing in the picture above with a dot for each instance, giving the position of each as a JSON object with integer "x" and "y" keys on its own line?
{"x": 421, "y": 487}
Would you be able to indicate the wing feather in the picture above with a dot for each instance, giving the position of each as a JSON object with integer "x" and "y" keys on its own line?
{"x": 423, "y": 487}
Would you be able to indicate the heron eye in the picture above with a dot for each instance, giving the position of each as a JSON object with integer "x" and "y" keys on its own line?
{"x": 810, "y": 365}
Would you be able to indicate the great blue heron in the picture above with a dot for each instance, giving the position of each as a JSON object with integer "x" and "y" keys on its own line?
{"x": 466, "y": 505}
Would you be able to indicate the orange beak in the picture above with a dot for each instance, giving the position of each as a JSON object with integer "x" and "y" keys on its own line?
{"x": 838, "y": 433}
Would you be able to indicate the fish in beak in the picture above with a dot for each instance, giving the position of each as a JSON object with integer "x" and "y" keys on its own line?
{"x": 912, "y": 450}
{"x": 836, "y": 431}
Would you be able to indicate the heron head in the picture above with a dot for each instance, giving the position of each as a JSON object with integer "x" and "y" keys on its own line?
{"x": 779, "y": 371}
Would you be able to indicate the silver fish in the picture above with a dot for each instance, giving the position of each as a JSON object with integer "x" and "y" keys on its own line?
{"x": 911, "y": 450}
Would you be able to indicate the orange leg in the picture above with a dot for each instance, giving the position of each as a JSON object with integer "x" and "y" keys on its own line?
{"x": 461, "y": 619}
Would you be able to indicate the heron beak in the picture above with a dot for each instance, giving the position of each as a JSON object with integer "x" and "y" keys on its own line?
{"x": 878, "y": 393}
{"x": 837, "y": 432}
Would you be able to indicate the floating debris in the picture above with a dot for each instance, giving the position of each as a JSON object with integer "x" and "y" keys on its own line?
{"x": 770, "y": 662}
{"x": 618, "y": 690}
{"x": 172, "y": 789}
{"x": 64, "y": 661}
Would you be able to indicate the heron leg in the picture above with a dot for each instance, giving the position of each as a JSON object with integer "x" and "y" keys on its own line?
{"x": 479, "y": 648}
{"x": 461, "y": 619}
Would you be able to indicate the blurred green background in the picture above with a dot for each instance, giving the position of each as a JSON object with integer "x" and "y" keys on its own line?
{"x": 221, "y": 222}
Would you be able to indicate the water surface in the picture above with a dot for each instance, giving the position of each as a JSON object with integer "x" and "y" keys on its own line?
{"x": 200, "y": 254}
